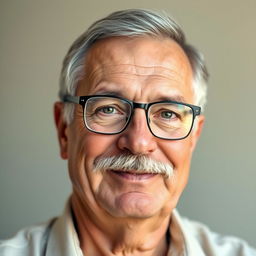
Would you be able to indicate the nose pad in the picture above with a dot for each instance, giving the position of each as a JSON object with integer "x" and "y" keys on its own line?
{"x": 137, "y": 138}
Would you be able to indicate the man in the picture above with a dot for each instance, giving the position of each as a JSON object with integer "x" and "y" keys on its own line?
{"x": 132, "y": 94}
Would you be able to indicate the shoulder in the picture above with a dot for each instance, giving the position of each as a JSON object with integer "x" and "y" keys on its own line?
{"x": 28, "y": 241}
{"x": 215, "y": 244}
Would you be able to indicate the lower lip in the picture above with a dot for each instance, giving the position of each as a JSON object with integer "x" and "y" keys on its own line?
{"x": 133, "y": 176}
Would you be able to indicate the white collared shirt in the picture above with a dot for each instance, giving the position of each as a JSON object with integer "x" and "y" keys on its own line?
{"x": 58, "y": 237}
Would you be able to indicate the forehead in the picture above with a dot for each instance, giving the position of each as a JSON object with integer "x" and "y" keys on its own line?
{"x": 140, "y": 60}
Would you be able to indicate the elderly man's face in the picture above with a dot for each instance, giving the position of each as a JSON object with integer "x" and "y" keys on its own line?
{"x": 142, "y": 70}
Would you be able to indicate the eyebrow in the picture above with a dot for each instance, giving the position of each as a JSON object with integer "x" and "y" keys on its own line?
{"x": 110, "y": 93}
{"x": 177, "y": 98}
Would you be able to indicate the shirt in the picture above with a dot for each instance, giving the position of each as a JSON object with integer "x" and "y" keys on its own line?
{"x": 58, "y": 237}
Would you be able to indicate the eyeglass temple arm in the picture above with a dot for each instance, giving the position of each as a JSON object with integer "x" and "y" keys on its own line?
{"x": 69, "y": 98}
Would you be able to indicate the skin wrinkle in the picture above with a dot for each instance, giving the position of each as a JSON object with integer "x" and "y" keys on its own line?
{"x": 114, "y": 57}
{"x": 139, "y": 211}
{"x": 80, "y": 128}
{"x": 133, "y": 69}
{"x": 117, "y": 247}
{"x": 99, "y": 75}
{"x": 106, "y": 86}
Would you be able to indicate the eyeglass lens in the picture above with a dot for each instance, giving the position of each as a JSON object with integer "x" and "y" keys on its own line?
{"x": 110, "y": 115}
{"x": 170, "y": 120}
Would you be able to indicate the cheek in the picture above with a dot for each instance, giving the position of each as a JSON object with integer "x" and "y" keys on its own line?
{"x": 88, "y": 147}
{"x": 179, "y": 153}
{"x": 84, "y": 147}
{"x": 95, "y": 145}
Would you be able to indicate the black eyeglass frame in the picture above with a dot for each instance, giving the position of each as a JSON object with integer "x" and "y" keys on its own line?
{"x": 81, "y": 100}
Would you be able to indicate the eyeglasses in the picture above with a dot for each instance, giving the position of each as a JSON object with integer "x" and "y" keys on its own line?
{"x": 107, "y": 114}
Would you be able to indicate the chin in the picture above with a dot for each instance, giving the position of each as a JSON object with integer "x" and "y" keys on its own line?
{"x": 134, "y": 205}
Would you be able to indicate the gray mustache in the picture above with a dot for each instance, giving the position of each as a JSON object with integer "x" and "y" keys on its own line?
{"x": 139, "y": 163}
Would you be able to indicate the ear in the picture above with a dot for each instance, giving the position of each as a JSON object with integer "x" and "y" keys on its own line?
{"x": 196, "y": 132}
{"x": 61, "y": 127}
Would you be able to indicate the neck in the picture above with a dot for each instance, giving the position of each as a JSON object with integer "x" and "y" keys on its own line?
{"x": 108, "y": 236}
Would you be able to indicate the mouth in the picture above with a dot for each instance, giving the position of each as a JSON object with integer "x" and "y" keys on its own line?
{"x": 133, "y": 175}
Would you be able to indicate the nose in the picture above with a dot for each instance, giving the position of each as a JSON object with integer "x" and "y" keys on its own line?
{"x": 137, "y": 138}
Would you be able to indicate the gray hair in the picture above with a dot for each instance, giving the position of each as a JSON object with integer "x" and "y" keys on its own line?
{"x": 129, "y": 23}
{"x": 139, "y": 163}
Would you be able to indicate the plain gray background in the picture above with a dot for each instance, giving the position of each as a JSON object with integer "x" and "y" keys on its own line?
{"x": 35, "y": 36}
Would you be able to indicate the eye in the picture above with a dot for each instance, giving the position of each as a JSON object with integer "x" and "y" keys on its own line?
{"x": 167, "y": 114}
{"x": 107, "y": 110}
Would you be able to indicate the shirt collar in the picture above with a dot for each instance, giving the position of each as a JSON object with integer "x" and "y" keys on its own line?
{"x": 63, "y": 239}
{"x": 183, "y": 242}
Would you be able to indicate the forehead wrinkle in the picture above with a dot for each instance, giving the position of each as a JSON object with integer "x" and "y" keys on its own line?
{"x": 114, "y": 62}
{"x": 105, "y": 72}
